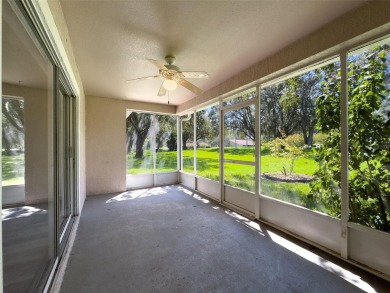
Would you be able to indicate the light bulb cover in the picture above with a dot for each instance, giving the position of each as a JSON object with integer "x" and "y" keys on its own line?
{"x": 170, "y": 84}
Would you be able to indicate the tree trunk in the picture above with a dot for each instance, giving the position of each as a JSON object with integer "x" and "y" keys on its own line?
{"x": 185, "y": 138}
{"x": 129, "y": 143}
{"x": 139, "y": 144}
{"x": 310, "y": 137}
{"x": 6, "y": 144}
{"x": 184, "y": 145}
{"x": 159, "y": 145}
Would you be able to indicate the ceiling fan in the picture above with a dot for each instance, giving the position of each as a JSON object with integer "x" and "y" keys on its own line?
{"x": 173, "y": 76}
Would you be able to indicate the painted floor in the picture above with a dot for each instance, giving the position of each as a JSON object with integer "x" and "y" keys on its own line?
{"x": 169, "y": 239}
{"x": 25, "y": 246}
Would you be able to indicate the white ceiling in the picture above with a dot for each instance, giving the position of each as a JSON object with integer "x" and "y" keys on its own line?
{"x": 112, "y": 39}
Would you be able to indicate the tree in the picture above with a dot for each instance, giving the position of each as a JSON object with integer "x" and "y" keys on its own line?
{"x": 369, "y": 132}
{"x": 166, "y": 127}
{"x": 139, "y": 124}
{"x": 242, "y": 119}
{"x": 202, "y": 128}
{"x": 213, "y": 116}
{"x": 269, "y": 111}
{"x": 279, "y": 111}
{"x": 326, "y": 187}
{"x": 130, "y": 136}
{"x": 187, "y": 131}
{"x": 368, "y": 140}
{"x": 289, "y": 107}
{"x": 308, "y": 91}
{"x": 162, "y": 130}
{"x": 171, "y": 142}
{"x": 289, "y": 101}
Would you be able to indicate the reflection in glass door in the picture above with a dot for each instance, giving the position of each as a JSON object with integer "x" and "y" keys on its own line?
{"x": 28, "y": 216}
{"x": 13, "y": 161}
{"x": 38, "y": 156}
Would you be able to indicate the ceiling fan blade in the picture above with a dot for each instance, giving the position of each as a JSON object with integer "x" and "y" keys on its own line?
{"x": 189, "y": 86}
{"x": 195, "y": 74}
{"x": 158, "y": 64}
{"x": 142, "y": 78}
{"x": 162, "y": 91}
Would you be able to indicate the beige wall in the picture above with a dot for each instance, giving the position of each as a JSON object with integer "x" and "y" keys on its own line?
{"x": 105, "y": 130}
{"x": 106, "y": 141}
{"x": 36, "y": 125}
{"x": 367, "y": 21}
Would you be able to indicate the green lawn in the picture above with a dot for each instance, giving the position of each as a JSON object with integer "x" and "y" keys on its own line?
{"x": 241, "y": 176}
{"x": 12, "y": 169}
{"x": 165, "y": 162}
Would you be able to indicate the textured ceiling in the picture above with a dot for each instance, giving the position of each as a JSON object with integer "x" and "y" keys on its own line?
{"x": 112, "y": 39}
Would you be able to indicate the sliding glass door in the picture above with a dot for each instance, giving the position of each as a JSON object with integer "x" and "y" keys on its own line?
{"x": 66, "y": 158}
{"x": 38, "y": 156}
{"x": 29, "y": 214}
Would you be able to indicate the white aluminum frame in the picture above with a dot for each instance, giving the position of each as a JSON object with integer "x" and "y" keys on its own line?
{"x": 154, "y": 178}
{"x": 230, "y": 195}
{"x": 344, "y": 155}
{"x": 362, "y": 246}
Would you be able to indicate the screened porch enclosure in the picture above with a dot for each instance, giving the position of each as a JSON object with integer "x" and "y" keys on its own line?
{"x": 306, "y": 152}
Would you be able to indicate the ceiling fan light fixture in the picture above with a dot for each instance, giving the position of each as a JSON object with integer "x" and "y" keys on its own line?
{"x": 173, "y": 76}
{"x": 169, "y": 84}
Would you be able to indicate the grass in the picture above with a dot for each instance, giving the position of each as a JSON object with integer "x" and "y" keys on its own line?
{"x": 12, "y": 169}
{"x": 165, "y": 162}
{"x": 241, "y": 176}
{"x": 295, "y": 193}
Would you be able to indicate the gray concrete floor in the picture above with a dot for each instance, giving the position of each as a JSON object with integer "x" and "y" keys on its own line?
{"x": 169, "y": 239}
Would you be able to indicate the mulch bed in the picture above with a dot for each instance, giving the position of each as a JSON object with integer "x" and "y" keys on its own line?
{"x": 277, "y": 176}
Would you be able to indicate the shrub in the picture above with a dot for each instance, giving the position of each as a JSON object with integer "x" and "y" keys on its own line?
{"x": 295, "y": 140}
{"x": 203, "y": 145}
{"x": 265, "y": 148}
{"x": 319, "y": 138}
{"x": 281, "y": 148}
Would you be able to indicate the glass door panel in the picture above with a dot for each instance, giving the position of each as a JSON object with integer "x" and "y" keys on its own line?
{"x": 239, "y": 147}
{"x": 28, "y": 223}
